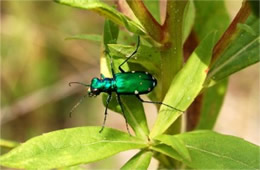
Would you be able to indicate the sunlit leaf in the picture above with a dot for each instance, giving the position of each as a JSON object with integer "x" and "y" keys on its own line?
{"x": 186, "y": 86}
{"x": 69, "y": 147}
{"x": 107, "y": 11}
{"x": 176, "y": 143}
{"x": 167, "y": 150}
{"x": 140, "y": 161}
{"x": 211, "y": 150}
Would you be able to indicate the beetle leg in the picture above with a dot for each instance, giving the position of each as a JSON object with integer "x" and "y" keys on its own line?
{"x": 120, "y": 103}
{"x": 111, "y": 64}
{"x": 161, "y": 103}
{"x": 135, "y": 51}
{"x": 105, "y": 118}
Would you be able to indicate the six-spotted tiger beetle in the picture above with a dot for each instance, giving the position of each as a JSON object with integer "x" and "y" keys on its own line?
{"x": 123, "y": 83}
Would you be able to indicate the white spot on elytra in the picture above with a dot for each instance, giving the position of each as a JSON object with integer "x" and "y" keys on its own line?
{"x": 140, "y": 76}
{"x": 149, "y": 89}
{"x": 141, "y": 83}
{"x": 136, "y": 92}
{"x": 153, "y": 78}
{"x": 146, "y": 72}
{"x": 153, "y": 83}
{"x": 133, "y": 71}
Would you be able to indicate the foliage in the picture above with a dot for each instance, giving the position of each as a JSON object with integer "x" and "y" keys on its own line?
{"x": 221, "y": 51}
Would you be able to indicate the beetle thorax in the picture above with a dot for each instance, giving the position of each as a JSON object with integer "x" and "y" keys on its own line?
{"x": 101, "y": 85}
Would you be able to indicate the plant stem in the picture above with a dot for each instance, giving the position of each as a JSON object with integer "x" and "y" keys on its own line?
{"x": 153, "y": 28}
{"x": 172, "y": 55}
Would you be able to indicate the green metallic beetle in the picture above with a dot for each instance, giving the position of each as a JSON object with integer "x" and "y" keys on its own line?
{"x": 123, "y": 83}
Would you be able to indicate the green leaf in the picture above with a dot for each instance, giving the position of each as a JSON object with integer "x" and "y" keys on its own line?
{"x": 140, "y": 161}
{"x": 185, "y": 86}
{"x": 69, "y": 147}
{"x": 110, "y": 34}
{"x": 189, "y": 17}
{"x": 208, "y": 14}
{"x": 212, "y": 101}
{"x": 92, "y": 37}
{"x": 145, "y": 56}
{"x": 176, "y": 143}
{"x": 154, "y": 8}
{"x": 242, "y": 51}
{"x": 167, "y": 150}
{"x": 211, "y": 150}
{"x": 106, "y": 11}
{"x": 8, "y": 143}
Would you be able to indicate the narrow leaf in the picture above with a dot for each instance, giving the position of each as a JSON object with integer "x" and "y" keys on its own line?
{"x": 211, "y": 150}
{"x": 242, "y": 51}
{"x": 176, "y": 143}
{"x": 92, "y": 37}
{"x": 140, "y": 161}
{"x": 107, "y": 11}
{"x": 186, "y": 86}
{"x": 189, "y": 17}
{"x": 154, "y": 8}
{"x": 69, "y": 147}
{"x": 208, "y": 14}
{"x": 212, "y": 101}
{"x": 167, "y": 150}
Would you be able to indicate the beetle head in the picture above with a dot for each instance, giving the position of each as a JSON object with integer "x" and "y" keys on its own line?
{"x": 94, "y": 89}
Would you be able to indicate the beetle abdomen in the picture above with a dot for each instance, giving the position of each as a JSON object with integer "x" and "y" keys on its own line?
{"x": 135, "y": 82}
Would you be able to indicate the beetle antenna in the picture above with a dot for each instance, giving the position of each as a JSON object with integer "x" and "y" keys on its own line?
{"x": 77, "y": 104}
{"x": 78, "y": 83}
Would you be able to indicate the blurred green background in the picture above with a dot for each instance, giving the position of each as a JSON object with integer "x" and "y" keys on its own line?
{"x": 37, "y": 63}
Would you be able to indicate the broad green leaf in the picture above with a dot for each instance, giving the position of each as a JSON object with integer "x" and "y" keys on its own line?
{"x": 212, "y": 101}
{"x": 189, "y": 17}
{"x": 145, "y": 56}
{"x": 211, "y": 150}
{"x": 185, "y": 86}
{"x": 106, "y": 11}
{"x": 8, "y": 143}
{"x": 69, "y": 147}
{"x": 92, "y": 37}
{"x": 154, "y": 8}
{"x": 167, "y": 150}
{"x": 242, "y": 51}
{"x": 133, "y": 108}
{"x": 140, "y": 161}
{"x": 176, "y": 143}
{"x": 208, "y": 15}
